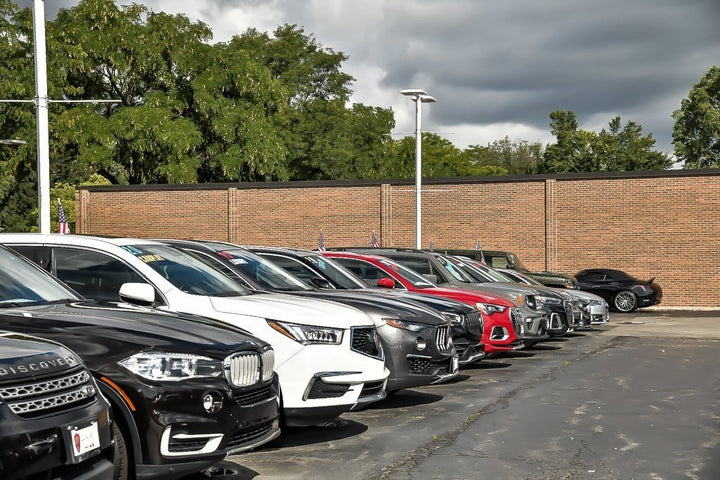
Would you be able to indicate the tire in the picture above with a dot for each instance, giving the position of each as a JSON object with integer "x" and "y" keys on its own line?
{"x": 625, "y": 301}
{"x": 121, "y": 459}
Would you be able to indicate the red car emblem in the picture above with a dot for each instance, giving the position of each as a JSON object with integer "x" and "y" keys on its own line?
{"x": 76, "y": 438}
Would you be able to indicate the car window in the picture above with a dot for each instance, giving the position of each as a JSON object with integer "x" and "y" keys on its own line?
{"x": 497, "y": 262}
{"x": 292, "y": 266}
{"x": 92, "y": 274}
{"x": 22, "y": 283}
{"x": 367, "y": 271}
{"x": 593, "y": 277}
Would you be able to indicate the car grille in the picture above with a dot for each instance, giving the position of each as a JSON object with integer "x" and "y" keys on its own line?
{"x": 442, "y": 339}
{"x": 243, "y": 369}
{"x": 50, "y": 395}
{"x": 250, "y": 398}
{"x": 365, "y": 341}
{"x": 516, "y": 318}
{"x": 474, "y": 322}
{"x": 249, "y": 435}
{"x": 419, "y": 365}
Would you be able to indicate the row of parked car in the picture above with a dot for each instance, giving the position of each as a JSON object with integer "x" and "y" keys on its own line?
{"x": 157, "y": 358}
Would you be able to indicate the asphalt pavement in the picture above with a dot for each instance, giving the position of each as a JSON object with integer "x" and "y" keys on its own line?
{"x": 637, "y": 398}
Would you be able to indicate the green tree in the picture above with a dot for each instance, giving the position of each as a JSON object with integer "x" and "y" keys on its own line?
{"x": 616, "y": 149}
{"x": 696, "y": 134}
{"x": 511, "y": 157}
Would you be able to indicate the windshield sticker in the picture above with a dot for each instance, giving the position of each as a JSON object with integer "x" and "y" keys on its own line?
{"x": 151, "y": 258}
{"x": 238, "y": 261}
{"x": 132, "y": 250}
{"x": 321, "y": 264}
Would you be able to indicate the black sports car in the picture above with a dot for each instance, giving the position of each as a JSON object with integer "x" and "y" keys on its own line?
{"x": 623, "y": 292}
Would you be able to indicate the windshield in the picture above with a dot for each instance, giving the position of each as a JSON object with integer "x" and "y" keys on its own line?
{"x": 491, "y": 272}
{"x": 457, "y": 272}
{"x": 21, "y": 283}
{"x": 337, "y": 273}
{"x": 417, "y": 280}
{"x": 262, "y": 270}
{"x": 186, "y": 272}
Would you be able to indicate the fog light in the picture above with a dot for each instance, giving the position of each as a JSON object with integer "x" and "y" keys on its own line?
{"x": 421, "y": 343}
{"x": 212, "y": 402}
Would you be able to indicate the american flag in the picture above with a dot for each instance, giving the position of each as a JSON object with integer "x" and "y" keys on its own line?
{"x": 374, "y": 243}
{"x": 63, "y": 227}
{"x": 321, "y": 241}
{"x": 432, "y": 249}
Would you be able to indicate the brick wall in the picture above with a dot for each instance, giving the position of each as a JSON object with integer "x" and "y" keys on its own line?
{"x": 651, "y": 224}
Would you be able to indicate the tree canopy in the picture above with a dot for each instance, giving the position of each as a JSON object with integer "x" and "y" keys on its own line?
{"x": 696, "y": 134}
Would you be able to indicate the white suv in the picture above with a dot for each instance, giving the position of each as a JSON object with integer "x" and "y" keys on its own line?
{"x": 327, "y": 356}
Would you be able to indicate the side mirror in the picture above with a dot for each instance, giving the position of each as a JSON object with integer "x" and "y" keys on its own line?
{"x": 137, "y": 293}
{"x": 386, "y": 282}
{"x": 321, "y": 283}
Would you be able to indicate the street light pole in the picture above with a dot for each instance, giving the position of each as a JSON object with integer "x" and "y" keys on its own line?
{"x": 43, "y": 140}
{"x": 419, "y": 97}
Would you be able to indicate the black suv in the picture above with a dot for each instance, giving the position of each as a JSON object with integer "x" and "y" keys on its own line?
{"x": 53, "y": 421}
{"x": 184, "y": 390}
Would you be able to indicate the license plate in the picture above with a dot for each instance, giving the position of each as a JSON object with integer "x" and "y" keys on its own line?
{"x": 83, "y": 440}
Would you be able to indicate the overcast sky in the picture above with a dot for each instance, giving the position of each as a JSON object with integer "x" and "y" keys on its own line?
{"x": 497, "y": 67}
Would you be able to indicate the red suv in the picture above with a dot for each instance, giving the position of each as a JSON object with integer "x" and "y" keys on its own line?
{"x": 503, "y": 325}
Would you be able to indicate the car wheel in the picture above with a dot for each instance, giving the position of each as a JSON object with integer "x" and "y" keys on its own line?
{"x": 121, "y": 460}
{"x": 625, "y": 301}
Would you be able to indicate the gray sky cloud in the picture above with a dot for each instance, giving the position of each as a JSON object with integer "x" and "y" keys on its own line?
{"x": 498, "y": 68}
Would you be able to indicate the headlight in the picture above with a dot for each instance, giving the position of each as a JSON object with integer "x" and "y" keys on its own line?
{"x": 308, "y": 334}
{"x": 413, "y": 327}
{"x": 489, "y": 308}
{"x": 543, "y": 300}
{"x": 532, "y": 302}
{"x": 455, "y": 319}
{"x": 172, "y": 366}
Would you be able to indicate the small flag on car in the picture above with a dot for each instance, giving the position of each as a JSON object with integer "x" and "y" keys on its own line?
{"x": 321, "y": 241}
{"x": 374, "y": 243}
{"x": 63, "y": 227}
{"x": 478, "y": 249}
{"x": 432, "y": 249}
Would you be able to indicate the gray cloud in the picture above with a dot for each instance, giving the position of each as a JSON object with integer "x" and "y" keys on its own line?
{"x": 492, "y": 63}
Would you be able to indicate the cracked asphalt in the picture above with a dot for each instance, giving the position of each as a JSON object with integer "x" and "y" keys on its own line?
{"x": 637, "y": 398}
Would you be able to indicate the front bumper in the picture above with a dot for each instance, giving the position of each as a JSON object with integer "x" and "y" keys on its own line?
{"x": 320, "y": 382}
{"x": 599, "y": 314}
{"x": 417, "y": 358}
{"x": 177, "y": 435}
{"x": 34, "y": 445}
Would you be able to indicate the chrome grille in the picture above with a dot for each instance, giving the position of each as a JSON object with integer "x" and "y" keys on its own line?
{"x": 243, "y": 369}
{"x": 442, "y": 339}
{"x": 516, "y": 317}
{"x": 49, "y": 395}
{"x": 268, "y": 364}
{"x": 474, "y": 322}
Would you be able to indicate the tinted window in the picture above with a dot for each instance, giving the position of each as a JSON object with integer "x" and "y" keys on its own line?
{"x": 593, "y": 277}
{"x": 294, "y": 267}
{"x": 367, "y": 271}
{"x": 23, "y": 283}
{"x": 92, "y": 274}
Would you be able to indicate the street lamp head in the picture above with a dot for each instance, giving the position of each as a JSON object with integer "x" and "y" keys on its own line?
{"x": 427, "y": 99}
{"x": 413, "y": 92}
{"x": 12, "y": 141}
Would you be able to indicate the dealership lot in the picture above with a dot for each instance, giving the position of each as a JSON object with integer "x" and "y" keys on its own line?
{"x": 638, "y": 398}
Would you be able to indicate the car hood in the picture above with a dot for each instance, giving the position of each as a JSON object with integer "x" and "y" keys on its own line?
{"x": 467, "y": 296}
{"x": 585, "y": 295}
{"x": 22, "y": 356}
{"x": 102, "y": 334}
{"x": 381, "y": 306}
{"x": 291, "y": 308}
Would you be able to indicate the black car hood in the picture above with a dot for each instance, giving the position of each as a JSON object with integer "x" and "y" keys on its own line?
{"x": 103, "y": 334}
{"x": 445, "y": 305}
{"x": 22, "y": 356}
{"x": 380, "y": 304}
